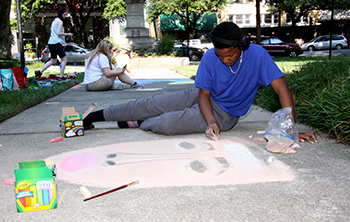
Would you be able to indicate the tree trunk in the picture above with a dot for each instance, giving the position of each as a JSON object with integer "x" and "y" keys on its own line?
{"x": 195, "y": 26}
{"x": 5, "y": 34}
{"x": 294, "y": 22}
{"x": 39, "y": 24}
{"x": 100, "y": 31}
{"x": 258, "y": 27}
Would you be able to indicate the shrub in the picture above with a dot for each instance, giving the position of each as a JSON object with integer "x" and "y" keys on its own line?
{"x": 29, "y": 46}
{"x": 166, "y": 45}
{"x": 321, "y": 93}
{"x": 4, "y": 64}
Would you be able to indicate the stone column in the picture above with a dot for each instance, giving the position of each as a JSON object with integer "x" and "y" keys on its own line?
{"x": 135, "y": 35}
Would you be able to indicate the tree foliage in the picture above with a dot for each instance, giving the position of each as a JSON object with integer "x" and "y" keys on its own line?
{"x": 30, "y": 8}
{"x": 80, "y": 11}
{"x": 195, "y": 7}
{"x": 297, "y": 9}
{"x": 115, "y": 9}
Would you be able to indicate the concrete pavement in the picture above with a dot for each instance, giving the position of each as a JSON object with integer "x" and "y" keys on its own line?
{"x": 317, "y": 191}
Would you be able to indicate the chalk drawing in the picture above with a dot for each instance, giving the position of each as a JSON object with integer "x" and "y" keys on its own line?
{"x": 177, "y": 162}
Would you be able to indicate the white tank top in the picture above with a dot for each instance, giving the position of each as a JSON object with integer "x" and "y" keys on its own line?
{"x": 54, "y": 38}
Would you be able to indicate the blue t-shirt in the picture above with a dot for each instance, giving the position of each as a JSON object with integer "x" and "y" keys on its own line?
{"x": 234, "y": 93}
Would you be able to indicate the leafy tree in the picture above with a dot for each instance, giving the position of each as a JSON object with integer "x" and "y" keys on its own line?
{"x": 80, "y": 11}
{"x": 195, "y": 7}
{"x": 30, "y": 8}
{"x": 115, "y": 9}
{"x": 299, "y": 8}
{"x": 5, "y": 30}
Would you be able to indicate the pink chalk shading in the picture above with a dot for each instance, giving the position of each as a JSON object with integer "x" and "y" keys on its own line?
{"x": 78, "y": 162}
{"x": 172, "y": 162}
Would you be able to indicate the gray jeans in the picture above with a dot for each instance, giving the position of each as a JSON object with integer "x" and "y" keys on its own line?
{"x": 169, "y": 114}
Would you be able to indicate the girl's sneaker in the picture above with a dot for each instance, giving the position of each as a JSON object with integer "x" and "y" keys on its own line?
{"x": 136, "y": 86}
{"x": 129, "y": 124}
{"x": 38, "y": 74}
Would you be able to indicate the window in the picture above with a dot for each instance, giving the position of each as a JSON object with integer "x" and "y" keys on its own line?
{"x": 275, "y": 18}
{"x": 268, "y": 18}
{"x": 337, "y": 37}
{"x": 320, "y": 39}
{"x": 68, "y": 48}
{"x": 247, "y": 19}
{"x": 275, "y": 41}
{"x": 264, "y": 42}
{"x": 239, "y": 19}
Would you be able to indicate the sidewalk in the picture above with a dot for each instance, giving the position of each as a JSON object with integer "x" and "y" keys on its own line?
{"x": 181, "y": 178}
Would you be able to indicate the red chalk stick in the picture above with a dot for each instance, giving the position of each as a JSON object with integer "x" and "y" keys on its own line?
{"x": 54, "y": 140}
{"x": 10, "y": 181}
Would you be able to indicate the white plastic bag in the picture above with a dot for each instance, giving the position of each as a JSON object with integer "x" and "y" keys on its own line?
{"x": 282, "y": 132}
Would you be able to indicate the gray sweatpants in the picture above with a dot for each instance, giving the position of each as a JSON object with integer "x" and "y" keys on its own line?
{"x": 169, "y": 114}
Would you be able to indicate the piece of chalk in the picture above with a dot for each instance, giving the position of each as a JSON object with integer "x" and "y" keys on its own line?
{"x": 9, "y": 181}
{"x": 270, "y": 159}
{"x": 54, "y": 140}
{"x": 85, "y": 192}
{"x": 261, "y": 132}
{"x": 260, "y": 140}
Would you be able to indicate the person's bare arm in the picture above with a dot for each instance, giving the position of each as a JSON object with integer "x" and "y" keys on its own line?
{"x": 59, "y": 29}
{"x": 286, "y": 99}
{"x": 206, "y": 108}
{"x": 112, "y": 72}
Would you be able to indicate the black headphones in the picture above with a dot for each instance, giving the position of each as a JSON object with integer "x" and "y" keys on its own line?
{"x": 242, "y": 44}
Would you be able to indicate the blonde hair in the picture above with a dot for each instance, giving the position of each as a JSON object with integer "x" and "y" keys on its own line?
{"x": 103, "y": 47}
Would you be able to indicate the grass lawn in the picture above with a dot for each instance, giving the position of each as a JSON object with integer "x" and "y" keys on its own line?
{"x": 33, "y": 66}
{"x": 14, "y": 102}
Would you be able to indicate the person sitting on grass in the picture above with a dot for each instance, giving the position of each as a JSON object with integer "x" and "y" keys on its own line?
{"x": 99, "y": 71}
{"x": 226, "y": 83}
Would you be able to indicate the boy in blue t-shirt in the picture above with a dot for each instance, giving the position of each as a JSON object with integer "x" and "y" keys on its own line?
{"x": 227, "y": 80}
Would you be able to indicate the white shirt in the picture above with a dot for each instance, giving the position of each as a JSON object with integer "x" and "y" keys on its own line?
{"x": 94, "y": 72}
{"x": 54, "y": 38}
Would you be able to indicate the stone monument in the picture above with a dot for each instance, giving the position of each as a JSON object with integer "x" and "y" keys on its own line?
{"x": 135, "y": 36}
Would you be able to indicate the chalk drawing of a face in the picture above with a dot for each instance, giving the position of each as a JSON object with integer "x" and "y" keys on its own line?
{"x": 168, "y": 163}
